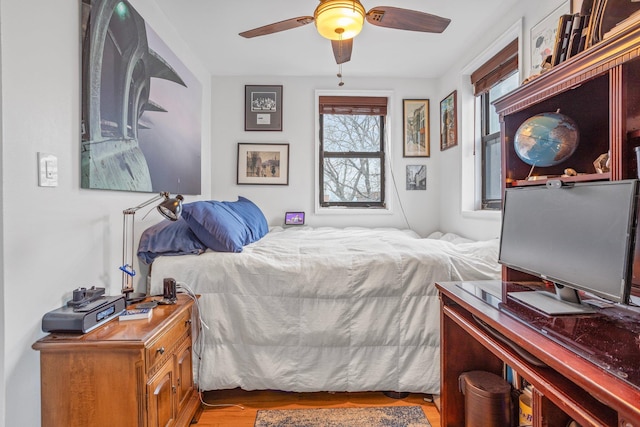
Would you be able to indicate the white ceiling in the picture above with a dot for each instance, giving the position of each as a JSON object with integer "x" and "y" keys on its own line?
{"x": 211, "y": 27}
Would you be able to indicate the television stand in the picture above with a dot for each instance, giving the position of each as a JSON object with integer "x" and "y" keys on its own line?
{"x": 547, "y": 303}
{"x": 477, "y": 333}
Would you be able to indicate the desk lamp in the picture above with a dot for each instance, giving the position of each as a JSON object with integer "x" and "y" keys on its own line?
{"x": 170, "y": 208}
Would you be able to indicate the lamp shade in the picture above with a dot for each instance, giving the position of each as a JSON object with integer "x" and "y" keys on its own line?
{"x": 171, "y": 208}
{"x": 339, "y": 19}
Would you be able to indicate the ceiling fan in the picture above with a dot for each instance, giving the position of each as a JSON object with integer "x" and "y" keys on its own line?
{"x": 341, "y": 20}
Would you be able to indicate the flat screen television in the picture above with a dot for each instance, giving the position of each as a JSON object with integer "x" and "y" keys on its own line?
{"x": 579, "y": 236}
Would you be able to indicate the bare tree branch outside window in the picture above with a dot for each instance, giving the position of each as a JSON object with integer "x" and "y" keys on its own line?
{"x": 353, "y": 160}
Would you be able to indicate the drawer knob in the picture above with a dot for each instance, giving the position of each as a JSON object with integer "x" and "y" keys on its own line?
{"x": 187, "y": 323}
{"x": 160, "y": 350}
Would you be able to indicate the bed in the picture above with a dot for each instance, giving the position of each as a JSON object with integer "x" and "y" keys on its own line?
{"x": 308, "y": 309}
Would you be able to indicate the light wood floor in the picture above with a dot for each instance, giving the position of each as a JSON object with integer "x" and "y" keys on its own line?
{"x": 252, "y": 401}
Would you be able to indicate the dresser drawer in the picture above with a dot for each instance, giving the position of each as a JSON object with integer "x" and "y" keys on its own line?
{"x": 162, "y": 347}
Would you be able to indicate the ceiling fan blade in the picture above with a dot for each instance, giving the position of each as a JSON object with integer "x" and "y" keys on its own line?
{"x": 278, "y": 26}
{"x": 342, "y": 50}
{"x": 406, "y": 19}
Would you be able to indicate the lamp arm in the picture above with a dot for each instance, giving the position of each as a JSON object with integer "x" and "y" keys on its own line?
{"x": 162, "y": 195}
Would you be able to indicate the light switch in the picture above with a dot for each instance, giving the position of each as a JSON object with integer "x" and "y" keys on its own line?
{"x": 47, "y": 170}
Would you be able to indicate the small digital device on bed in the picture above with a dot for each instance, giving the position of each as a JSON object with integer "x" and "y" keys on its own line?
{"x": 294, "y": 218}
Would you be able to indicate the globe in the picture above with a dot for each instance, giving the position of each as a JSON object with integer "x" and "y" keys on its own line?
{"x": 546, "y": 139}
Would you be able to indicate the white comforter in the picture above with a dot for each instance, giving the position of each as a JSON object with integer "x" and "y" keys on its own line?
{"x": 326, "y": 309}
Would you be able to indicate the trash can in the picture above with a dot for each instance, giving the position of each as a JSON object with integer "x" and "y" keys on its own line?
{"x": 487, "y": 399}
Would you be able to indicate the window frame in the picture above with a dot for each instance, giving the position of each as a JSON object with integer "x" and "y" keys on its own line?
{"x": 487, "y": 139}
{"x": 490, "y": 74}
{"x": 364, "y": 208}
{"x": 380, "y": 154}
{"x": 471, "y": 190}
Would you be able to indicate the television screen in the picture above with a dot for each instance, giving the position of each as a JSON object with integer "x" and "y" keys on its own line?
{"x": 580, "y": 235}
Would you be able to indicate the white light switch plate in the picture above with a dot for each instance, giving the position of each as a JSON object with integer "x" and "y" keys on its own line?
{"x": 47, "y": 170}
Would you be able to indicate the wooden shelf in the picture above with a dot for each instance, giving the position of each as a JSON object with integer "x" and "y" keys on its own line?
{"x": 578, "y": 178}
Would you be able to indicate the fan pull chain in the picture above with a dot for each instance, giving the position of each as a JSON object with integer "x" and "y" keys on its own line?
{"x": 341, "y": 83}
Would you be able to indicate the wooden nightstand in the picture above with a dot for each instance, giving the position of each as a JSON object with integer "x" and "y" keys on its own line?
{"x": 129, "y": 373}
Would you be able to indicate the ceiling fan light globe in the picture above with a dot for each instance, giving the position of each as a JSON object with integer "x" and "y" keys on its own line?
{"x": 339, "y": 19}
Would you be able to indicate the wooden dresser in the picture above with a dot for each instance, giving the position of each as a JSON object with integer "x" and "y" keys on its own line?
{"x": 124, "y": 373}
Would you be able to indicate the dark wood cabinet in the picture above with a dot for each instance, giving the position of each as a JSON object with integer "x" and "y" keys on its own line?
{"x": 125, "y": 373}
{"x": 598, "y": 89}
{"x": 479, "y": 333}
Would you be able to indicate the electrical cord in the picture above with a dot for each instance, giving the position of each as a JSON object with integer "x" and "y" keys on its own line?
{"x": 199, "y": 343}
{"x": 395, "y": 186}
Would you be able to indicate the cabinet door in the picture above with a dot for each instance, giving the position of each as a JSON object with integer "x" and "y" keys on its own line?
{"x": 184, "y": 372}
{"x": 161, "y": 392}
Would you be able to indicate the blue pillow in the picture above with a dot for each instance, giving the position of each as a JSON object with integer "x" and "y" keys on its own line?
{"x": 216, "y": 225}
{"x": 252, "y": 216}
{"x": 168, "y": 238}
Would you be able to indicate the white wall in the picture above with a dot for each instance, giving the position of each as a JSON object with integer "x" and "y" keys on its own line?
{"x": 420, "y": 207}
{"x": 55, "y": 239}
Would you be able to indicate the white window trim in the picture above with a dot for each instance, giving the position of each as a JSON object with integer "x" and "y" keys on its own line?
{"x": 471, "y": 191}
{"x": 389, "y": 196}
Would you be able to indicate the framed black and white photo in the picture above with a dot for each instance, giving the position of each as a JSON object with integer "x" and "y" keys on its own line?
{"x": 262, "y": 108}
{"x": 416, "y": 178}
{"x": 263, "y": 164}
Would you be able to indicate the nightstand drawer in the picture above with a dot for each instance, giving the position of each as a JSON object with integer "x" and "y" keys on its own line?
{"x": 158, "y": 350}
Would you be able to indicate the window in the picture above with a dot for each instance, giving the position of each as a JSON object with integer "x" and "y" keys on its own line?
{"x": 495, "y": 78}
{"x": 352, "y": 151}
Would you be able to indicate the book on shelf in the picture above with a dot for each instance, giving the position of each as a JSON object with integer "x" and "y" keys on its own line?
{"x": 136, "y": 314}
{"x": 584, "y": 33}
{"x": 577, "y": 27}
{"x": 563, "y": 32}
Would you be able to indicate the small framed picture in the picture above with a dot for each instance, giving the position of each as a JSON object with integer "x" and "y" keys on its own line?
{"x": 262, "y": 108}
{"x": 449, "y": 121}
{"x": 416, "y": 177}
{"x": 263, "y": 164}
{"x": 415, "y": 114}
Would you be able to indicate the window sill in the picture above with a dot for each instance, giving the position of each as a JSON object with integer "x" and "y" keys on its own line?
{"x": 483, "y": 214}
{"x": 339, "y": 210}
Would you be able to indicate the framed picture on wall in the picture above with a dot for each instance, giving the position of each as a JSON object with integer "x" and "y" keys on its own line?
{"x": 416, "y": 177}
{"x": 262, "y": 108}
{"x": 135, "y": 117}
{"x": 415, "y": 114}
{"x": 263, "y": 164}
{"x": 449, "y": 121}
